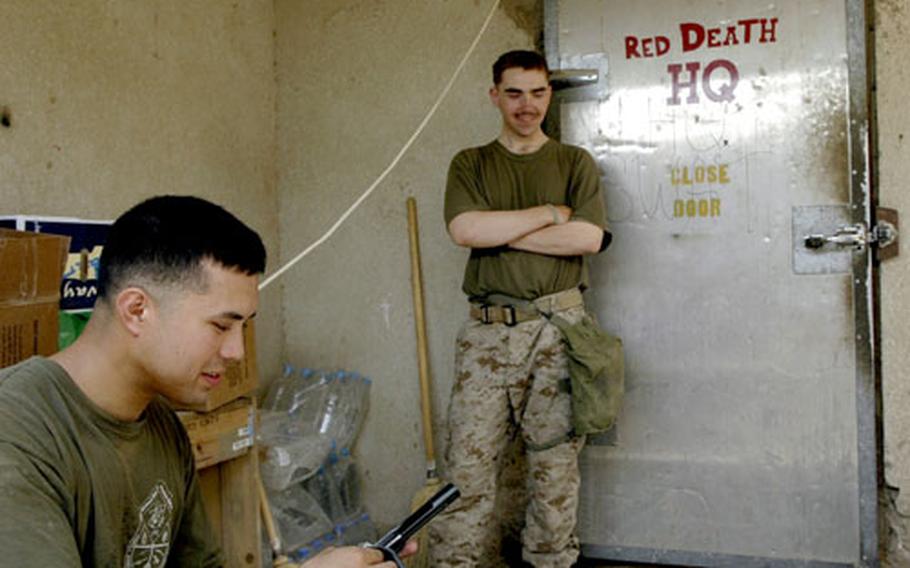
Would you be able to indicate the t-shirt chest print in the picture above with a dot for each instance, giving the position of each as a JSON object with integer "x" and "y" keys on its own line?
{"x": 150, "y": 543}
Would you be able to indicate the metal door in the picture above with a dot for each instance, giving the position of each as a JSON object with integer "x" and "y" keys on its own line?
{"x": 732, "y": 137}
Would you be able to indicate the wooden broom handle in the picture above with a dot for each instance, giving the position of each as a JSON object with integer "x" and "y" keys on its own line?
{"x": 423, "y": 365}
{"x": 266, "y": 511}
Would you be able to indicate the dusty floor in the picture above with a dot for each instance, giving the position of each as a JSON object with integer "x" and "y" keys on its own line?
{"x": 588, "y": 563}
{"x": 585, "y": 563}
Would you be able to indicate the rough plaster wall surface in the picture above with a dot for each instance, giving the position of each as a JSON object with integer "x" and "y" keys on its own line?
{"x": 355, "y": 78}
{"x": 893, "y": 79}
{"x": 112, "y": 101}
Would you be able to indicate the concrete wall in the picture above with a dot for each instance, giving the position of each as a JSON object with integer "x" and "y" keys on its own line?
{"x": 892, "y": 22}
{"x": 355, "y": 78}
{"x": 112, "y": 102}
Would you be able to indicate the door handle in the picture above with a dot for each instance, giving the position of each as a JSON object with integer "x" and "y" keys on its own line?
{"x": 855, "y": 236}
{"x": 852, "y": 236}
{"x": 573, "y": 78}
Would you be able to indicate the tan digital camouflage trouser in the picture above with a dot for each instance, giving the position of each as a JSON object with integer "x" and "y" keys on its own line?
{"x": 509, "y": 377}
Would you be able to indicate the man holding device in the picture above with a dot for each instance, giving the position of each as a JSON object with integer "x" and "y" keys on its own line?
{"x": 95, "y": 468}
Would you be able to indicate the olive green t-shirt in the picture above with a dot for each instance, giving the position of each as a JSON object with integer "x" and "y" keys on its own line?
{"x": 491, "y": 178}
{"x": 81, "y": 488}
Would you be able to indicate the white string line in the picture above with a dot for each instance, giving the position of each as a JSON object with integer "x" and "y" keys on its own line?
{"x": 395, "y": 161}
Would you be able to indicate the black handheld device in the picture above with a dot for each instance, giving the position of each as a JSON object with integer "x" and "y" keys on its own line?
{"x": 394, "y": 540}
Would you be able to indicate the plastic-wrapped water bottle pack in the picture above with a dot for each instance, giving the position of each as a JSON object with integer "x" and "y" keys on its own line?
{"x": 324, "y": 510}
{"x": 303, "y": 416}
{"x": 309, "y": 420}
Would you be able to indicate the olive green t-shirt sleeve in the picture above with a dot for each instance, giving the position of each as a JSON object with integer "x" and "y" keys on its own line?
{"x": 34, "y": 530}
{"x": 584, "y": 191}
{"x": 463, "y": 189}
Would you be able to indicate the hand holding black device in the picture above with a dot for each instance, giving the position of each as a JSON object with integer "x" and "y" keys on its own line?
{"x": 393, "y": 541}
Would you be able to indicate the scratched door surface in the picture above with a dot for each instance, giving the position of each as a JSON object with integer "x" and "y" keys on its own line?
{"x": 725, "y": 130}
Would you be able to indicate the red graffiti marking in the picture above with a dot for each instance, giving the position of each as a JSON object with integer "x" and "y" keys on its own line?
{"x": 695, "y": 36}
{"x": 724, "y": 92}
{"x": 646, "y": 47}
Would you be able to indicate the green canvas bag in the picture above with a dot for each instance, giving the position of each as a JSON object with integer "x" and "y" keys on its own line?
{"x": 596, "y": 374}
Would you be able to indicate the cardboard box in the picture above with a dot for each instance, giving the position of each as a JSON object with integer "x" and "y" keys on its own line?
{"x": 224, "y": 434}
{"x": 26, "y": 330}
{"x": 32, "y": 268}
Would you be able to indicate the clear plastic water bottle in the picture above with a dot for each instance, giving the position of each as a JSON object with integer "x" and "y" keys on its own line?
{"x": 349, "y": 408}
{"x": 294, "y": 448}
{"x": 357, "y": 530}
{"x": 292, "y": 459}
{"x": 307, "y": 394}
{"x": 353, "y": 392}
{"x": 298, "y": 517}
{"x": 313, "y": 547}
{"x": 306, "y": 413}
{"x": 330, "y": 416}
{"x": 279, "y": 389}
{"x": 324, "y": 489}
{"x": 344, "y": 473}
{"x": 309, "y": 404}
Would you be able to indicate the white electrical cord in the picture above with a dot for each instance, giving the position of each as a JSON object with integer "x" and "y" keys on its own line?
{"x": 391, "y": 166}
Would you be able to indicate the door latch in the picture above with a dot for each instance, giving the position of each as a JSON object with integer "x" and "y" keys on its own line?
{"x": 884, "y": 235}
{"x": 846, "y": 236}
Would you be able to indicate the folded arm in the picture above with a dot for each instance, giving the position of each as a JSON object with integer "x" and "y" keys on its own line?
{"x": 487, "y": 229}
{"x": 543, "y": 229}
{"x": 569, "y": 239}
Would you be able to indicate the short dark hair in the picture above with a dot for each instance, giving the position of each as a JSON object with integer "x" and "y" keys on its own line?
{"x": 519, "y": 58}
{"x": 165, "y": 239}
